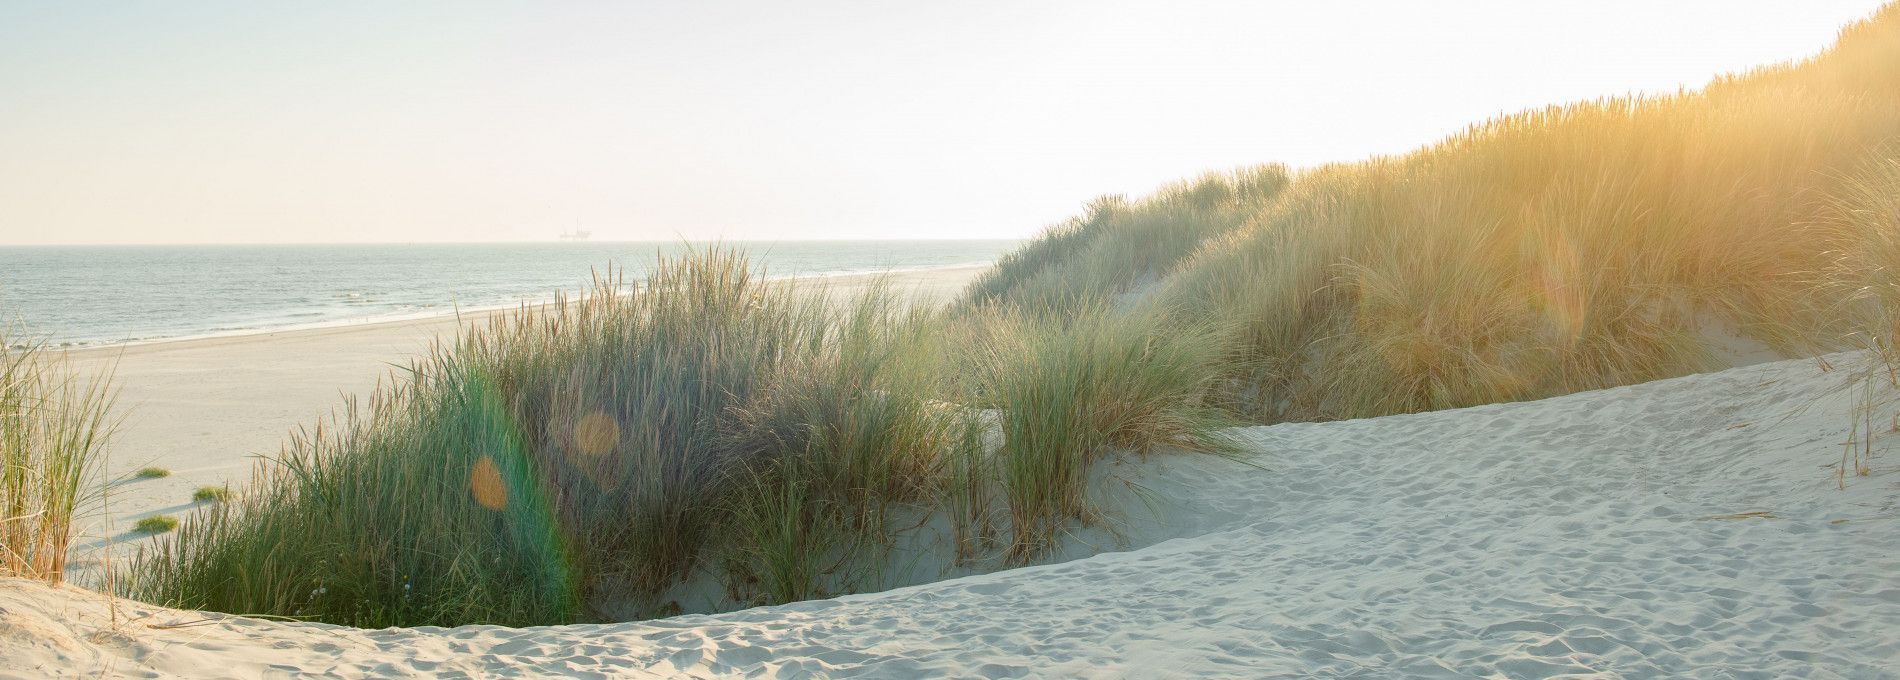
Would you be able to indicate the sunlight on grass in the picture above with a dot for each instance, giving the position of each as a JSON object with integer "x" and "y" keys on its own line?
{"x": 1542, "y": 253}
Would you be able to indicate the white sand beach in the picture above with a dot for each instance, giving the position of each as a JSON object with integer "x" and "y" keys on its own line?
{"x": 1683, "y": 528}
{"x": 204, "y": 409}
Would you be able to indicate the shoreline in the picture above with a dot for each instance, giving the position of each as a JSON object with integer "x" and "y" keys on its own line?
{"x": 845, "y": 277}
{"x": 205, "y": 408}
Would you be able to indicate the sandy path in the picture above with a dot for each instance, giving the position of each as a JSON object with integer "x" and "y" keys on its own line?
{"x": 1600, "y": 534}
{"x": 204, "y": 408}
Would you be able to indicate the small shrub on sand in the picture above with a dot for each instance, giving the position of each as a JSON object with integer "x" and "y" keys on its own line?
{"x": 153, "y": 472}
{"x": 156, "y": 524}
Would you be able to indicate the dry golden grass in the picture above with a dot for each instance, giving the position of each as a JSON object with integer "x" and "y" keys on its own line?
{"x": 1121, "y": 244}
{"x": 1551, "y": 251}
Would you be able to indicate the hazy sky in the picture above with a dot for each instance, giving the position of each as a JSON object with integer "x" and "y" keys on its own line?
{"x": 163, "y": 122}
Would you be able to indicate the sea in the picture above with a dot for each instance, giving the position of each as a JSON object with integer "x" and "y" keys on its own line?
{"x": 76, "y": 296}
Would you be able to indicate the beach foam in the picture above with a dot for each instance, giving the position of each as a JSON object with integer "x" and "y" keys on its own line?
{"x": 1687, "y": 527}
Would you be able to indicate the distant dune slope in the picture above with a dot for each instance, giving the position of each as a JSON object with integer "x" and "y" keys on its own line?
{"x": 1542, "y": 253}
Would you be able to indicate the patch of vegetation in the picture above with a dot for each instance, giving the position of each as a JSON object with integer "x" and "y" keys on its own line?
{"x": 153, "y": 472}
{"x": 1569, "y": 248}
{"x": 704, "y": 423}
{"x": 53, "y": 433}
{"x": 1864, "y": 223}
{"x": 218, "y": 493}
{"x": 1120, "y": 245}
{"x": 1068, "y": 392}
{"x": 156, "y": 524}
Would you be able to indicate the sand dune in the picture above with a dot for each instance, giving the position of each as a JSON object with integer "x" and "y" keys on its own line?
{"x": 206, "y": 408}
{"x": 1683, "y": 528}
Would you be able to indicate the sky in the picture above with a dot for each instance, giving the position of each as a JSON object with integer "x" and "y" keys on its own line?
{"x": 320, "y": 122}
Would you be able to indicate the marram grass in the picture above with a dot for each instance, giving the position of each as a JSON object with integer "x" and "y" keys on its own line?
{"x": 1067, "y": 392}
{"x": 705, "y": 425}
{"x": 54, "y": 428}
{"x": 585, "y": 459}
{"x": 1562, "y": 249}
{"x": 1863, "y": 282}
{"x": 1121, "y": 245}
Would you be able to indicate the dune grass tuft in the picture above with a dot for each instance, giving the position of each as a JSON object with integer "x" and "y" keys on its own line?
{"x": 152, "y": 472}
{"x": 582, "y": 460}
{"x": 1862, "y": 227}
{"x": 54, "y": 429}
{"x": 216, "y": 493}
{"x": 156, "y": 524}
{"x": 845, "y": 436}
{"x": 1066, "y": 392}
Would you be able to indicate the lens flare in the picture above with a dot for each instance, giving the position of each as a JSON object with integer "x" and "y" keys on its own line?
{"x": 596, "y": 433}
{"x": 485, "y": 482}
{"x": 1561, "y": 288}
